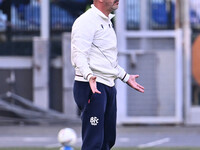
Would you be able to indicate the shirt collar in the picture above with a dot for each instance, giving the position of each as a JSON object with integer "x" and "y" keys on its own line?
{"x": 110, "y": 16}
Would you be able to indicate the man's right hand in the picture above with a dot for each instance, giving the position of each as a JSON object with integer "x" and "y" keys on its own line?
{"x": 93, "y": 85}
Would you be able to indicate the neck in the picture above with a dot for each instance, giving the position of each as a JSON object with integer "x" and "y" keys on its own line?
{"x": 102, "y": 8}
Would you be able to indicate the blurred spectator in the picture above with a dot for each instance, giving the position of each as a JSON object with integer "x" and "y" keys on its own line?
{"x": 75, "y": 7}
{"x": 32, "y": 14}
{"x": 3, "y": 20}
{"x": 25, "y": 14}
{"x": 163, "y": 12}
{"x": 195, "y": 12}
{"x": 133, "y": 14}
{"x": 5, "y": 5}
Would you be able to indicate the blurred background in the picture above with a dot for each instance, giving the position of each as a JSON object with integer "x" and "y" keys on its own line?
{"x": 157, "y": 39}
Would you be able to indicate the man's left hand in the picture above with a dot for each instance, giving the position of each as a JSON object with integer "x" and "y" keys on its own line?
{"x": 132, "y": 83}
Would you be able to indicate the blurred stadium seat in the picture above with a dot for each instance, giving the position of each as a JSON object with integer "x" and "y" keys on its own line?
{"x": 195, "y": 14}
{"x": 160, "y": 14}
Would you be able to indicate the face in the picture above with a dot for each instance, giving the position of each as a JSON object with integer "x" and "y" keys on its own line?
{"x": 111, "y": 5}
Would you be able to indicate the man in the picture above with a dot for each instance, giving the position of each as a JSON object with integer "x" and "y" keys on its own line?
{"x": 94, "y": 57}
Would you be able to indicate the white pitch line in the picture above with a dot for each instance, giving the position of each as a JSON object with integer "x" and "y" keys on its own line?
{"x": 53, "y": 145}
{"x": 154, "y": 143}
{"x": 27, "y": 139}
{"x": 36, "y": 139}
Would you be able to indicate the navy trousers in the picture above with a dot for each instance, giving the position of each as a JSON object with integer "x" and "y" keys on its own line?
{"x": 98, "y": 114}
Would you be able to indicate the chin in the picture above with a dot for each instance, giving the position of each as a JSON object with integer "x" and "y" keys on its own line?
{"x": 115, "y": 8}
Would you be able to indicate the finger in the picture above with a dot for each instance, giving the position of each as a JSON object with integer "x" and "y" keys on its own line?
{"x": 97, "y": 91}
{"x": 93, "y": 90}
{"x": 140, "y": 86}
{"x": 136, "y": 76}
{"x": 140, "y": 90}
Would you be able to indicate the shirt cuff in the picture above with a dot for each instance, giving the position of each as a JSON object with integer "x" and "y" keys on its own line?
{"x": 126, "y": 77}
{"x": 89, "y": 76}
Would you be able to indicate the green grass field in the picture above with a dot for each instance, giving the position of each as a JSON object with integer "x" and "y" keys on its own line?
{"x": 112, "y": 149}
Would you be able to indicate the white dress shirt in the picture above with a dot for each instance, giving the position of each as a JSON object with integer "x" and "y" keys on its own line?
{"x": 94, "y": 48}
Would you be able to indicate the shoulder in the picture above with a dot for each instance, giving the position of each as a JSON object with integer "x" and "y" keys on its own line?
{"x": 87, "y": 18}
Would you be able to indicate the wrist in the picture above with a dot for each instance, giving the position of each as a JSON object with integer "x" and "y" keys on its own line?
{"x": 126, "y": 77}
{"x": 89, "y": 76}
